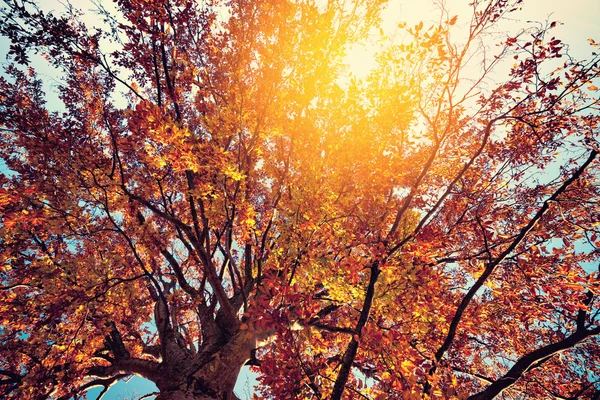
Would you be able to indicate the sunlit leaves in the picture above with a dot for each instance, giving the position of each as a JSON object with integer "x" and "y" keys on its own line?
{"x": 244, "y": 191}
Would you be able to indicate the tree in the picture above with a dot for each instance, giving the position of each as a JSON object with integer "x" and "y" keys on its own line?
{"x": 421, "y": 234}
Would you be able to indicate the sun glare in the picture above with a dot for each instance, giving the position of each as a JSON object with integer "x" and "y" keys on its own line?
{"x": 360, "y": 60}
{"x": 361, "y": 57}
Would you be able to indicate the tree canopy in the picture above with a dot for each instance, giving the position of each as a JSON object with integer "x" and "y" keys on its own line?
{"x": 217, "y": 190}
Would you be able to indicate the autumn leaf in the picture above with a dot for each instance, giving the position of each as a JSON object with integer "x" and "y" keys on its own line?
{"x": 214, "y": 185}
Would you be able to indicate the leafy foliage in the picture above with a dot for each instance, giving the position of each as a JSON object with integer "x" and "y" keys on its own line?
{"x": 216, "y": 191}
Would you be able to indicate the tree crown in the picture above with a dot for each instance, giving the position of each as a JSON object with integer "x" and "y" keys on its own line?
{"x": 215, "y": 190}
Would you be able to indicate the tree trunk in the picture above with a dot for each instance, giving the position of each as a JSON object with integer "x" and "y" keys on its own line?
{"x": 183, "y": 395}
{"x": 215, "y": 378}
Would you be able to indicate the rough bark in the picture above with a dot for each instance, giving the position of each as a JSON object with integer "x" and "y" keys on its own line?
{"x": 216, "y": 375}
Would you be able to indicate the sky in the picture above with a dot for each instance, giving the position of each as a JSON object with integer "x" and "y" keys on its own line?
{"x": 580, "y": 21}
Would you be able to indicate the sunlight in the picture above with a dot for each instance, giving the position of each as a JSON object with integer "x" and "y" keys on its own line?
{"x": 310, "y": 198}
{"x": 360, "y": 60}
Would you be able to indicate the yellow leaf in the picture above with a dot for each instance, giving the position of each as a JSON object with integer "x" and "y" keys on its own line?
{"x": 234, "y": 174}
{"x": 407, "y": 366}
{"x": 491, "y": 284}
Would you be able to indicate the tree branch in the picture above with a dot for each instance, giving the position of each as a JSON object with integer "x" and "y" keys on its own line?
{"x": 531, "y": 361}
{"x": 329, "y": 328}
{"x": 495, "y": 262}
{"x": 105, "y": 383}
{"x": 351, "y": 350}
